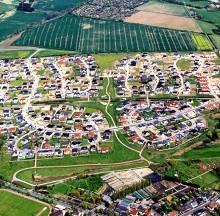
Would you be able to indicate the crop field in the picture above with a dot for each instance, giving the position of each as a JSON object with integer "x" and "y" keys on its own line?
{"x": 164, "y": 8}
{"x": 202, "y": 43}
{"x": 91, "y": 35}
{"x": 17, "y": 22}
{"x": 57, "y": 5}
{"x": 209, "y": 16}
{"x": 13, "y": 204}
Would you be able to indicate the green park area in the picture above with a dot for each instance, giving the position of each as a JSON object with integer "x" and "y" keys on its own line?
{"x": 17, "y": 205}
{"x": 184, "y": 64}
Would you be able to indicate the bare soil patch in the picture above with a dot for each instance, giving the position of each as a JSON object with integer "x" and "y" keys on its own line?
{"x": 164, "y": 20}
{"x": 216, "y": 116}
{"x": 87, "y": 26}
{"x": 163, "y": 7}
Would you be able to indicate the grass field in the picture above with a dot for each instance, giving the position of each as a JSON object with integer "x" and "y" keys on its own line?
{"x": 14, "y": 54}
{"x": 207, "y": 180}
{"x": 57, "y": 5}
{"x": 202, "y": 43}
{"x": 206, "y": 27}
{"x": 105, "y": 60}
{"x": 188, "y": 170}
{"x": 51, "y": 52}
{"x": 91, "y": 35}
{"x": 14, "y": 205}
{"x": 209, "y": 152}
{"x": 216, "y": 40}
{"x": 18, "y": 22}
{"x": 209, "y": 16}
{"x": 184, "y": 64}
{"x": 56, "y": 173}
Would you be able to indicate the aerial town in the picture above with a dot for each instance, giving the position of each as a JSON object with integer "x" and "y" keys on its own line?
{"x": 109, "y": 108}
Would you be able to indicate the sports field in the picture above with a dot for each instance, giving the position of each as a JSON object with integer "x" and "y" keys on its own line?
{"x": 12, "y": 204}
{"x": 92, "y": 36}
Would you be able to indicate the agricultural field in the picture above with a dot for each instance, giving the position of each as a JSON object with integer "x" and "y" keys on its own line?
{"x": 163, "y": 7}
{"x": 90, "y": 35}
{"x": 209, "y": 16}
{"x": 15, "y": 204}
{"x": 192, "y": 3}
{"x": 216, "y": 40}
{"x": 5, "y": 7}
{"x": 206, "y": 27}
{"x": 202, "y": 43}
{"x": 17, "y": 22}
{"x": 57, "y": 5}
{"x": 164, "y": 20}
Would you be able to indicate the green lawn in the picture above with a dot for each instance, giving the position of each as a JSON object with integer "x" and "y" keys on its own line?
{"x": 14, "y": 205}
{"x": 18, "y": 82}
{"x": 184, "y": 64}
{"x": 15, "y": 54}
